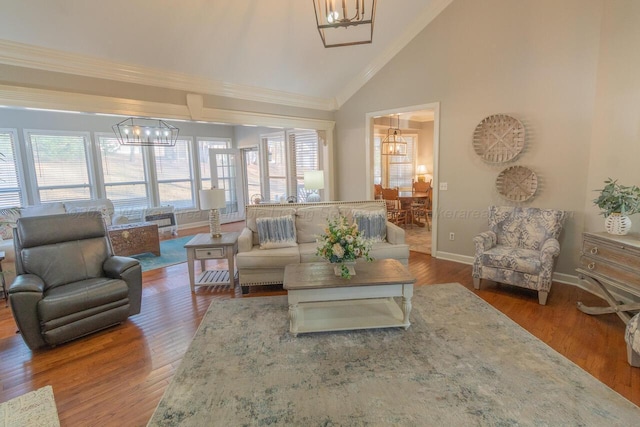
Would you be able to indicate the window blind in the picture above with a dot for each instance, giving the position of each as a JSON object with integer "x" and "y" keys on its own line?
{"x": 10, "y": 195}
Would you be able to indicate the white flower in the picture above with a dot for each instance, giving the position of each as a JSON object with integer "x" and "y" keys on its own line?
{"x": 349, "y": 239}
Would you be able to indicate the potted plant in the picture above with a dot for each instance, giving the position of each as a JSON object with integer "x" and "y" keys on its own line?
{"x": 617, "y": 202}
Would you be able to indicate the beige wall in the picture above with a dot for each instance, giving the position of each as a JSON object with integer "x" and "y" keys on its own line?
{"x": 615, "y": 141}
{"x": 533, "y": 59}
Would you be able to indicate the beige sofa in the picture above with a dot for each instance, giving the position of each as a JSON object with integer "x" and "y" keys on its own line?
{"x": 258, "y": 266}
{"x": 8, "y": 223}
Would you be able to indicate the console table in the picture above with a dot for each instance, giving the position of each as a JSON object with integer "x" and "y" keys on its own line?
{"x": 611, "y": 261}
{"x": 203, "y": 247}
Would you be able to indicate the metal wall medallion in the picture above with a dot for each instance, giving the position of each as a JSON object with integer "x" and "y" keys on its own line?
{"x": 498, "y": 138}
{"x": 517, "y": 183}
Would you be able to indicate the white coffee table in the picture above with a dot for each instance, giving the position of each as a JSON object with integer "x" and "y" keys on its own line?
{"x": 319, "y": 301}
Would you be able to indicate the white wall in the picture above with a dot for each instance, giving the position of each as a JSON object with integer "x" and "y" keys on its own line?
{"x": 533, "y": 59}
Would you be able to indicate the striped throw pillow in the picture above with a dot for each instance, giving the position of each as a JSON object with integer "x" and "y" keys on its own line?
{"x": 276, "y": 232}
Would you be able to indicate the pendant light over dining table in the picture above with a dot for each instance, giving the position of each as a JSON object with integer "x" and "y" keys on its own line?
{"x": 345, "y": 22}
{"x": 143, "y": 131}
{"x": 394, "y": 144}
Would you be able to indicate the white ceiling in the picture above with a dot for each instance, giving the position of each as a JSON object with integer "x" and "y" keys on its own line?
{"x": 268, "y": 45}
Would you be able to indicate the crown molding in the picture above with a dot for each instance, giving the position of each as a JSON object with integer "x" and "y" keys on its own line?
{"x": 30, "y": 56}
{"x": 429, "y": 14}
{"x": 16, "y": 96}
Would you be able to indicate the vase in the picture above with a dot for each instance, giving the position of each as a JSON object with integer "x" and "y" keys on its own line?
{"x": 351, "y": 268}
{"x": 617, "y": 224}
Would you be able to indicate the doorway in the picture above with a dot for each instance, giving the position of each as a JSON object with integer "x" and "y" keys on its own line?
{"x": 419, "y": 126}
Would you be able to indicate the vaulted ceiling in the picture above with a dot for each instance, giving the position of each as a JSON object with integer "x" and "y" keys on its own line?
{"x": 264, "y": 46}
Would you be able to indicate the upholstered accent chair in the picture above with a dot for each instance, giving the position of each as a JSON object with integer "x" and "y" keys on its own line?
{"x": 68, "y": 282}
{"x": 520, "y": 248}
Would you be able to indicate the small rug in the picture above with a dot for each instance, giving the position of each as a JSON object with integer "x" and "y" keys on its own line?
{"x": 418, "y": 239}
{"x": 34, "y": 409}
{"x": 171, "y": 252}
{"x": 461, "y": 363}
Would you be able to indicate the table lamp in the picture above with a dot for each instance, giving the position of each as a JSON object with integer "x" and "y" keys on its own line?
{"x": 213, "y": 200}
{"x": 314, "y": 180}
{"x": 421, "y": 171}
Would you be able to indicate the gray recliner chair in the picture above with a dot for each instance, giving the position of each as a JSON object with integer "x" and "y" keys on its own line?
{"x": 69, "y": 283}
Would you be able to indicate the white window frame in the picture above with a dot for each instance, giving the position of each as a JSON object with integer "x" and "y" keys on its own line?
{"x": 31, "y": 168}
{"x": 17, "y": 159}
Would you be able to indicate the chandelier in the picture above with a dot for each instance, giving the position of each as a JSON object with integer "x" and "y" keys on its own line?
{"x": 142, "y": 131}
{"x": 394, "y": 144}
{"x": 334, "y": 17}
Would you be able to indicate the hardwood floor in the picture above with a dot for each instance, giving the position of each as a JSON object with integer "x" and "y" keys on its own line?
{"x": 116, "y": 377}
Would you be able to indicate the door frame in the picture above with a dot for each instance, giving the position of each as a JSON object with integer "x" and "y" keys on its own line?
{"x": 369, "y": 135}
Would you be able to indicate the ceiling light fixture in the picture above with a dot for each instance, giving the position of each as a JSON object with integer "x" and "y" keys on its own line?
{"x": 142, "y": 131}
{"x": 394, "y": 144}
{"x": 333, "y": 19}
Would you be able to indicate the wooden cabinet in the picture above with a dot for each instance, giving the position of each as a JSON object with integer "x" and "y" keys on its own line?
{"x": 609, "y": 262}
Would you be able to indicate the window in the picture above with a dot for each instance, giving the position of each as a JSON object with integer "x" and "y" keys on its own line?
{"x": 394, "y": 171}
{"x": 10, "y": 194}
{"x": 60, "y": 164}
{"x": 174, "y": 175}
{"x": 123, "y": 171}
{"x": 204, "y": 144}
{"x": 304, "y": 149}
{"x": 276, "y": 169}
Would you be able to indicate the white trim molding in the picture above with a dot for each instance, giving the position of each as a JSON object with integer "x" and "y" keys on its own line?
{"x": 30, "y": 56}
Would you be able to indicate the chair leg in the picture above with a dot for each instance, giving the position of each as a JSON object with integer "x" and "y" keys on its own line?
{"x": 542, "y": 297}
{"x": 632, "y": 357}
{"x": 476, "y": 282}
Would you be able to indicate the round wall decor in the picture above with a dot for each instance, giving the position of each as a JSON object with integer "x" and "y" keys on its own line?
{"x": 517, "y": 183}
{"x": 498, "y": 138}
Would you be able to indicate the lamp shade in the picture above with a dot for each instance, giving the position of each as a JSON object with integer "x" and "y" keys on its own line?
{"x": 314, "y": 180}
{"x": 212, "y": 199}
{"x": 422, "y": 169}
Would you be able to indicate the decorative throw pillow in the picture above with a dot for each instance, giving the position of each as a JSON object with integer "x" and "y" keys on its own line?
{"x": 276, "y": 232}
{"x": 371, "y": 224}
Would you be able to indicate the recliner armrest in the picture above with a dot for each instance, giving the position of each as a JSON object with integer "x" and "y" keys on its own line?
{"x": 26, "y": 291}
{"x": 129, "y": 270}
{"x": 115, "y": 266}
{"x": 27, "y": 283}
{"x": 485, "y": 240}
{"x": 245, "y": 240}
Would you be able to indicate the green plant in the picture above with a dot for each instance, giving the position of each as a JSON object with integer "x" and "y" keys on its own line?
{"x": 618, "y": 198}
{"x": 342, "y": 243}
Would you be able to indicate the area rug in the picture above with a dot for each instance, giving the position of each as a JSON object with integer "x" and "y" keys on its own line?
{"x": 171, "y": 252}
{"x": 461, "y": 363}
{"x": 34, "y": 409}
{"x": 418, "y": 239}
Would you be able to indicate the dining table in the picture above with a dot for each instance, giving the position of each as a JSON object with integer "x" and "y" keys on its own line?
{"x": 407, "y": 198}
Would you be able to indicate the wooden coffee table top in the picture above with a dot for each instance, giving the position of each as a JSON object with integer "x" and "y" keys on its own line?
{"x": 320, "y": 275}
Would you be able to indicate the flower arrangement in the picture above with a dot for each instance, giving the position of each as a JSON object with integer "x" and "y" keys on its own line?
{"x": 342, "y": 243}
{"x": 618, "y": 198}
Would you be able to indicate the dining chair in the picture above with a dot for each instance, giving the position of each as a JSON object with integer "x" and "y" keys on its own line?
{"x": 395, "y": 212}
{"x": 421, "y": 186}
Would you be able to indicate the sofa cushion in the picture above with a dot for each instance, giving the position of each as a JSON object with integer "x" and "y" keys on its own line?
{"x": 312, "y": 221}
{"x": 521, "y": 260}
{"x": 276, "y": 232}
{"x": 372, "y": 224}
{"x": 79, "y": 296}
{"x": 8, "y": 223}
{"x": 103, "y": 209}
{"x": 382, "y": 250}
{"x": 273, "y": 258}
{"x": 54, "y": 208}
{"x": 308, "y": 252}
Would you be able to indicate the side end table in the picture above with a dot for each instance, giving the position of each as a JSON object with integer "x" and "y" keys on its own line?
{"x": 203, "y": 247}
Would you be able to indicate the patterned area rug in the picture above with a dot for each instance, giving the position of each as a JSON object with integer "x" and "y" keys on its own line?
{"x": 171, "y": 252}
{"x": 33, "y": 409}
{"x": 460, "y": 363}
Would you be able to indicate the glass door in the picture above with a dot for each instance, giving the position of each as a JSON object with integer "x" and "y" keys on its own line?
{"x": 253, "y": 192}
{"x": 225, "y": 164}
